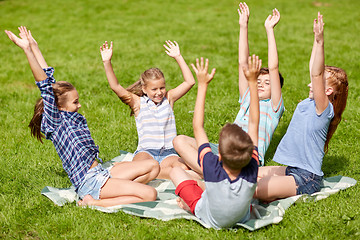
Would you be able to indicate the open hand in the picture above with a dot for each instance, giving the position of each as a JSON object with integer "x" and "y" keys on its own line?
{"x": 106, "y": 52}
{"x": 23, "y": 41}
{"x": 172, "y": 49}
{"x": 244, "y": 14}
{"x": 319, "y": 28}
{"x": 253, "y": 70}
{"x": 201, "y": 71}
{"x": 273, "y": 19}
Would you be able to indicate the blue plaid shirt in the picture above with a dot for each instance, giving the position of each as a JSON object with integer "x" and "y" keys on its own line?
{"x": 69, "y": 133}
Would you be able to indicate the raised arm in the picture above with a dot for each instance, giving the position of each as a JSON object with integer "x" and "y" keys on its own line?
{"x": 24, "y": 43}
{"x": 311, "y": 62}
{"x": 204, "y": 79}
{"x": 173, "y": 50}
{"x": 127, "y": 97}
{"x": 252, "y": 73}
{"x": 244, "y": 14}
{"x": 317, "y": 73}
{"x": 273, "y": 61}
{"x": 36, "y": 50}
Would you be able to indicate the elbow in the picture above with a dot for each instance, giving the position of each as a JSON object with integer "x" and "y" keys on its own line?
{"x": 274, "y": 67}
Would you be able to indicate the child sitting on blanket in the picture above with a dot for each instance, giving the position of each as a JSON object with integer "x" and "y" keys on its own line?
{"x": 152, "y": 107}
{"x": 306, "y": 140}
{"x": 56, "y": 115}
{"x": 270, "y": 82}
{"x": 230, "y": 178}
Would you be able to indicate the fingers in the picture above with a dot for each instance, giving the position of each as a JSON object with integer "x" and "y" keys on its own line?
{"x": 194, "y": 68}
{"x": 105, "y": 46}
{"x": 167, "y": 48}
{"x": 201, "y": 66}
{"x": 243, "y": 9}
{"x": 170, "y": 43}
{"x": 197, "y": 64}
{"x": 246, "y": 9}
{"x": 10, "y": 35}
{"x": 212, "y": 73}
{"x": 254, "y": 63}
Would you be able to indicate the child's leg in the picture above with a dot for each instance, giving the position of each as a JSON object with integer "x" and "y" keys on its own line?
{"x": 142, "y": 171}
{"x": 186, "y": 188}
{"x": 168, "y": 164}
{"x": 186, "y": 147}
{"x": 270, "y": 188}
{"x": 271, "y": 171}
{"x": 119, "y": 191}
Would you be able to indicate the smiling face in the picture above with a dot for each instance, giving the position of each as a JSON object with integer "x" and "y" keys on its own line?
{"x": 264, "y": 89}
{"x": 71, "y": 103}
{"x": 155, "y": 89}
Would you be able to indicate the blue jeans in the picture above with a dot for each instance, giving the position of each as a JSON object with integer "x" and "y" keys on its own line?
{"x": 94, "y": 180}
{"x": 307, "y": 182}
{"x": 158, "y": 154}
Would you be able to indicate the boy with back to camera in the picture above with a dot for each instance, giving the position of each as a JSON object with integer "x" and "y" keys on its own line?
{"x": 230, "y": 178}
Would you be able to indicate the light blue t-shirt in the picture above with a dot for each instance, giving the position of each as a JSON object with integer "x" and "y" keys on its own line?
{"x": 269, "y": 119}
{"x": 303, "y": 144}
{"x": 225, "y": 202}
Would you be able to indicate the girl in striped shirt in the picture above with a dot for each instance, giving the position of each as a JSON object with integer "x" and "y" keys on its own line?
{"x": 152, "y": 107}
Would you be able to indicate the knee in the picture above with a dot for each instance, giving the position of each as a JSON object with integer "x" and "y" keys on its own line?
{"x": 153, "y": 166}
{"x": 178, "y": 141}
{"x": 150, "y": 194}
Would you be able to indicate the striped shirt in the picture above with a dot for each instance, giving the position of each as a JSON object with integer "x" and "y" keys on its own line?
{"x": 69, "y": 133}
{"x": 155, "y": 124}
{"x": 269, "y": 119}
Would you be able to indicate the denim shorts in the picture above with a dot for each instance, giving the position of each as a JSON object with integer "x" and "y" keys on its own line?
{"x": 94, "y": 180}
{"x": 307, "y": 182}
{"x": 158, "y": 154}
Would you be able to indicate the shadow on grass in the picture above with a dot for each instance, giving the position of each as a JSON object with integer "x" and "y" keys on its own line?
{"x": 332, "y": 165}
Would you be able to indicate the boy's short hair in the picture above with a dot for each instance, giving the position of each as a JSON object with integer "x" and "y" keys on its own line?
{"x": 266, "y": 71}
{"x": 235, "y": 146}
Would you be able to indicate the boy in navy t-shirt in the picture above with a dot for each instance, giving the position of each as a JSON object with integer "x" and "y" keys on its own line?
{"x": 230, "y": 178}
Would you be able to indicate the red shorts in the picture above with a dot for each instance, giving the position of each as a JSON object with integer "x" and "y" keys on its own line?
{"x": 190, "y": 192}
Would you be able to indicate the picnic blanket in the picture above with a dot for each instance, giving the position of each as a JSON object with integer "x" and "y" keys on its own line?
{"x": 165, "y": 207}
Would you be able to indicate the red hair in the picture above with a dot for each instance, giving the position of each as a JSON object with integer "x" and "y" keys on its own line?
{"x": 337, "y": 79}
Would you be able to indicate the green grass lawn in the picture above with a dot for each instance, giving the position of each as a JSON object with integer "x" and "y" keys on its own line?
{"x": 70, "y": 33}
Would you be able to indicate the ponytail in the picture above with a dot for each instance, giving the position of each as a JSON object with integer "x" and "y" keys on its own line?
{"x": 59, "y": 89}
{"x": 35, "y": 123}
{"x": 337, "y": 79}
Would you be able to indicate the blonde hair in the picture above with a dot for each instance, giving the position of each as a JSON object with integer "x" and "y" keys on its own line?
{"x": 235, "y": 146}
{"x": 337, "y": 79}
{"x": 60, "y": 89}
{"x": 136, "y": 87}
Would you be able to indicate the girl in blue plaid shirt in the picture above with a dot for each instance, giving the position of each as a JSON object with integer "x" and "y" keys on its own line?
{"x": 56, "y": 116}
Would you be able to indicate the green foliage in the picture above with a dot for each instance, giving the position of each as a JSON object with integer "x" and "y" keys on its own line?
{"x": 70, "y": 33}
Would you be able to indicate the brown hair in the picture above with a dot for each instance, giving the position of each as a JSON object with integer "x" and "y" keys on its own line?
{"x": 60, "y": 89}
{"x": 264, "y": 71}
{"x": 136, "y": 87}
{"x": 337, "y": 79}
{"x": 235, "y": 146}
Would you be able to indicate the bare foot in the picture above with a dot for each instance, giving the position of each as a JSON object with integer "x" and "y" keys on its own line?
{"x": 88, "y": 200}
{"x": 182, "y": 204}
